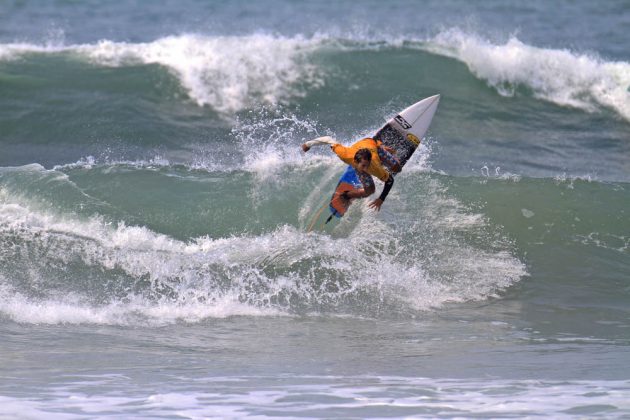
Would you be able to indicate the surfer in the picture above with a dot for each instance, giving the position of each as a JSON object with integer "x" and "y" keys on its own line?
{"x": 368, "y": 157}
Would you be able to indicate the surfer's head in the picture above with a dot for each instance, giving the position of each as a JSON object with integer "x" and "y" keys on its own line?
{"x": 362, "y": 159}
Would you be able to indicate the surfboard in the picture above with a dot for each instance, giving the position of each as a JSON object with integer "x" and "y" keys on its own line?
{"x": 402, "y": 133}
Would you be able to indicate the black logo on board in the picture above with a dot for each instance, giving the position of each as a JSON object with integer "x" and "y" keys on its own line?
{"x": 403, "y": 122}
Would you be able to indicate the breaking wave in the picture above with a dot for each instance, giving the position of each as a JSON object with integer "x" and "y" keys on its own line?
{"x": 235, "y": 73}
{"x": 72, "y": 268}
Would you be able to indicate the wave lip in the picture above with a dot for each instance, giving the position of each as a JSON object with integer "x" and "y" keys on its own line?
{"x": 560, "y": 76}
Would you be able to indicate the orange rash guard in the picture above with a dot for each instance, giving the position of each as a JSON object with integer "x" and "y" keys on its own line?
{"x": 347, "y": 155}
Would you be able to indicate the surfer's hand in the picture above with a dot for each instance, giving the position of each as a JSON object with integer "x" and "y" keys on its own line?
{"x": 376, "y": 204}
{"x": 305, "y": 148}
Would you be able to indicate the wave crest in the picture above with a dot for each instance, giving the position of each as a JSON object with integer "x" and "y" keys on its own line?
{"x": 560, "y": 76}
{"x": 235, "y": 73}
{"x": 227, "y": 73}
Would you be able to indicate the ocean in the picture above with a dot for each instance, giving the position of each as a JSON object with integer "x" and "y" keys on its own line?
{"x": 154, "y": 208}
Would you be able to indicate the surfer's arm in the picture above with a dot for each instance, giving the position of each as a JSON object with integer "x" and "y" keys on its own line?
{"x": 376, "y": 204}
{"x": 319, "y": 140}
{"x": 388, "y": 186}
{"x": 359, "y": 193}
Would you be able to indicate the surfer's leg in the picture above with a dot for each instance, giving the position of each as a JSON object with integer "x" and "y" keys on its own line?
{"x": 318, "y": 141}
{"x": 388, "y": 160}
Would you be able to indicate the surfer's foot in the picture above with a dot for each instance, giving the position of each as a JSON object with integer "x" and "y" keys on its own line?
{"x": 305, "y": 148}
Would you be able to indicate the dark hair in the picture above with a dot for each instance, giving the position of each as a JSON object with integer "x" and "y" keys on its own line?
{"x": 363, "y": 154}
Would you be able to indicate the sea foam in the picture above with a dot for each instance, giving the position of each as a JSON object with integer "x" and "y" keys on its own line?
{"x": 295, "y": 395}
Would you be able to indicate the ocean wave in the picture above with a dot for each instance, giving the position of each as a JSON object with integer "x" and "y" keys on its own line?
{"x": 227, "y": 73}
{"x": 235, "y": 73}
{"x": 561, "y": 76}
{"x": 92, "y": 270}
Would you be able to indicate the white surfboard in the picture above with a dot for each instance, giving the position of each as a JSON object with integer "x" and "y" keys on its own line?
{"x": 404, "y": 132}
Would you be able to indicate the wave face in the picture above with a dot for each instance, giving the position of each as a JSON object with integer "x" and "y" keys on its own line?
{"x": 529, "y": 110}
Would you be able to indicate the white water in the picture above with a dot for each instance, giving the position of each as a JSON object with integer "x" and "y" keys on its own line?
{"x": 324, "y": 396}
{"x": 155, "y": 279}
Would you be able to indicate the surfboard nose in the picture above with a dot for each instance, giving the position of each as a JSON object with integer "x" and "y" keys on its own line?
{"x": 435, "y": 97}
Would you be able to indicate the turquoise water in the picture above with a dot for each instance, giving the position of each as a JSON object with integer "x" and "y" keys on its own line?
{"x": 154, "y": 203}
